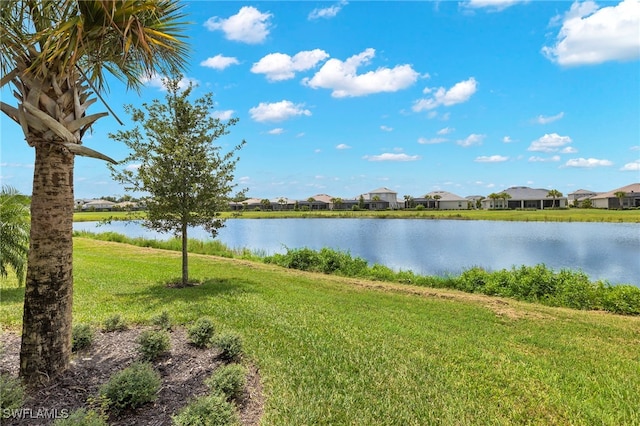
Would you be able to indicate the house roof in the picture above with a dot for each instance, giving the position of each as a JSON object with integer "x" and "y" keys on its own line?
{"x": 382, "y": 190}
{"x": 634, "y": 187}
{"x": 446, "y": 196}
{"x": 324, "y": 198}
{"x": 526, "y": 193}
{"x": 583, "y": 192}
{"x": 100, "y": 203}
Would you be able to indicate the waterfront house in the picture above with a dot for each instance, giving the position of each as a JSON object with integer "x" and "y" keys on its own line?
{"x": 442, "y": 200}
{"x": 522, "y": 197}
{"x": 610, "y": 200}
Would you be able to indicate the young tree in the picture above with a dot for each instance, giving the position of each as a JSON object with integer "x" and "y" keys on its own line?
{"x": 14, "y": 232}
{"x": 188, "y": 181}
{"x": 56, "y": 55}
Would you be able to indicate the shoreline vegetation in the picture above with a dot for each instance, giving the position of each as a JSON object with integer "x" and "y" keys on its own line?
{"x": 338, "y": 350}
{"x": 548, "y": 215}
{"x": 536, "y": 284}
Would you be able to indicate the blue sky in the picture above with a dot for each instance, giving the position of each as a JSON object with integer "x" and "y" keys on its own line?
{"x": 341, "y": 98}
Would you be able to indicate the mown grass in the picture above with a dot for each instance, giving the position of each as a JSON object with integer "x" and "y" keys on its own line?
{"x": 335, "y": 350}
{"x": 549, "y": 215}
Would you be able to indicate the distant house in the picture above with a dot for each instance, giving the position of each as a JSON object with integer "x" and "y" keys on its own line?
{"x": 475, "y": 200}
{"x": 98, "y": 205}
{"x": 609, "y": 200}
{"x": 381, "y": 199}
{"x": 442, "y": 200}
{"x": 522, "y": 197}
{"x": 576, "y": 198}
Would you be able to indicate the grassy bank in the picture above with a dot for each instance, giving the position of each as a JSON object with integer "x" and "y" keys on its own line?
{"x": 566, "y": 215}
{"x": 335, "y": 350}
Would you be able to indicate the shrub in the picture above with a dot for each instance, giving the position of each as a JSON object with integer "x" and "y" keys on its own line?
{"x": 420, "y": 207}
{"x": 153, "y": 343}
{"x": 114, "y": 323}
{"x": 473, "y": 280}
{"x": 229, "y": 380}
{"x": 210, "y": 410}
{"x": 201, "y": 332}
{"x": 11, "y": 393}
{"x": 229, "y": 344}
{"x": 81, "y": 337}
{"x": 162, "y": 321}
{"x": 622, "y": 299}
{"x": 130, "y": 388}
{"x": 83, "y": 417}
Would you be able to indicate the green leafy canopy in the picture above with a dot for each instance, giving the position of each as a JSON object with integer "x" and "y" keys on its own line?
{"x": 174, "y": 160}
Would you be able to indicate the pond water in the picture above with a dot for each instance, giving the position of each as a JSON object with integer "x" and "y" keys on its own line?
{"x": 604, "y": 251}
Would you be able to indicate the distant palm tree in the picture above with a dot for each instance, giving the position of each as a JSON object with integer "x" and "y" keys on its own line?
{"x": 311, "y": 200}
{"x": 554, "y": 193}
{"x": 282, "y": 202}
{"x": 428, "y": 198}
{"x": 437, "y": 198}
{"x": 504, "y": 197}
{"x": 620, "y": 195}
{"x": 14, "y": 233}
{"x": 494, "y": 197}
{"x": 408, "y": 202}
{"x": 265, "y": 203}
{"x": 337, "y": 202}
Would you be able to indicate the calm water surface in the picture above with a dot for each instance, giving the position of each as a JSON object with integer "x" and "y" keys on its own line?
{"x": 606, "y": 251}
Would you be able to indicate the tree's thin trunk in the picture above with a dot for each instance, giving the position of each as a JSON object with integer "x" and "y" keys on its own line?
{"x": 185, "y": 258}
{"x": 46, "y": 329}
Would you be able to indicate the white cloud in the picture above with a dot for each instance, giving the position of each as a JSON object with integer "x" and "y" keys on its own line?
{"x": 223, "y": 115}
{"x": 472, "y": 139}
{"x": 446, "y": 131}
{"x": 157, "y": 81}
{"x": 492, "y": 4}
{"x": 327, "y": 12}
{"x": 276, "y": 131}
{"x": 133, "y": 167}
{"x": 631, "y": 167}
{"x": 541, "y": 119}
{"x": 635, "y": 148}
{"x": 491, "y": 159}
{"x": 343, "y": 146}
{"x": 249, "y": 25}
{"x": 507, "y": 139}
{"x": 280, "y": 66}
{"x": 277, "y": 111}
{"x": 342, "y": 78}
{"x": 568, "y": 150}
{"x": 549, "y": 143}
{"x": 588, "y": 163}
{"x": 590, "y": 35}
{"x": 431, "y": 141}
{"x": 544, "y": 160}
{"x": 219, "y": 62}
{"x": 386, "y": 128}
{"x": 459, "y": 93}
{"x": 391, "y": 157}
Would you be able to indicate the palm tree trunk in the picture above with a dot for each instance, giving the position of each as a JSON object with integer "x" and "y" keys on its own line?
{"x": 46, "y": 323}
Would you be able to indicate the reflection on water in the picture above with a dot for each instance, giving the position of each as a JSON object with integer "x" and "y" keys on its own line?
{"x": 604, "y": 251}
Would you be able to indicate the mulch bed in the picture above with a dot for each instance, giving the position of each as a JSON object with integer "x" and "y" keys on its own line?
{"x": 183, "y": 372}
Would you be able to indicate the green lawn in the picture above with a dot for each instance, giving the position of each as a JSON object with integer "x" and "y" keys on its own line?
{"x": 338, "y": 351}
{"x": 565, "y": 215}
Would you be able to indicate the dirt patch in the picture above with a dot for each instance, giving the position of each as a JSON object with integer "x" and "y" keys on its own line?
{"x": 183, "y": 372}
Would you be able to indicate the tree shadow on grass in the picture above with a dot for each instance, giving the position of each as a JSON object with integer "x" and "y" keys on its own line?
{"x": 152, "y": 299}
